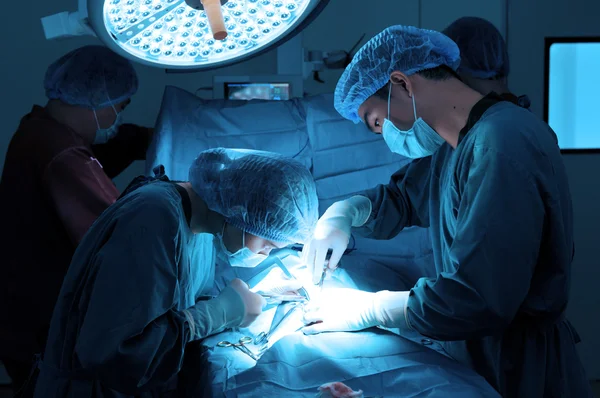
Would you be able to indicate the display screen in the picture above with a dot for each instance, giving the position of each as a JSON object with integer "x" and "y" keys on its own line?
{"x": 573, "y": 84}
{"x": 263, "y": 91}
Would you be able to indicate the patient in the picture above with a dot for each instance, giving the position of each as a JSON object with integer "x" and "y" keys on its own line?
{"x": 130, "y": 301}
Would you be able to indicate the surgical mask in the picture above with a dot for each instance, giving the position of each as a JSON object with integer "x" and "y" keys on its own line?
{"x": 243, "y": 258}
{"x": 417, "y": 142}
{"x": 104, "y": 135}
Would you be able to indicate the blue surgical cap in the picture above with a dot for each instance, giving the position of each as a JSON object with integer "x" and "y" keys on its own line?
{"x": 262, "y": 193}
{"x": 93, "y": 77}
{"x": 398, "y": 48}
{"x": 482, "y": 49}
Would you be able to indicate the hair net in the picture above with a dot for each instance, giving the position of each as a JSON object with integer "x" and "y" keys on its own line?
{"x": 482, "y": 48}
{"x": 398, "y": 48}
{"x": 262, "y": 193}
{"x": 92, "y": 76}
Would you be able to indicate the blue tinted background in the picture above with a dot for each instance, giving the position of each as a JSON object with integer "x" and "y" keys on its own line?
{"x": 574, "y": 87}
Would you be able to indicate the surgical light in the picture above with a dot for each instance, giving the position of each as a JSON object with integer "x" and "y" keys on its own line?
{"x": 174, "y": 35}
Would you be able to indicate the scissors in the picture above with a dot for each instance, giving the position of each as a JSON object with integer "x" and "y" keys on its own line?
{"x": 239, "y": 346}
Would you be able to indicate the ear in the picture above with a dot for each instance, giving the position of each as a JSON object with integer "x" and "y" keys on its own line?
{"x": 400, "y": 79}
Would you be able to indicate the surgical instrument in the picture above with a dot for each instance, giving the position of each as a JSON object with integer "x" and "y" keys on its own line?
{"x": 263, "y": 338}
{"x": 283, "y": 297}
{"x": 302, "y": 291}
{"x": 322, "y": 278}
{"x": 241, "y": 345}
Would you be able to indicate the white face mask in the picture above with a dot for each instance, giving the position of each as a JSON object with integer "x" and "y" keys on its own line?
{"x": 243, "y": 258}
{"x": 104, "y": 135}
{"x": 417, "y": 142}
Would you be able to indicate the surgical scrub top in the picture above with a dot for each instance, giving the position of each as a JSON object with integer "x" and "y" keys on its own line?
{"x": 118, "y": 329}
{"x": 501, "y": 222}
{"x": 54, "y": 185}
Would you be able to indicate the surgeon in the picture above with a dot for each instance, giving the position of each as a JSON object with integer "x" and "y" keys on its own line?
{"x": 484, "y": 64}
{"x": 131, "y": 302}
{"x": 489, "y": 182}
{"x": 55, "y": 182}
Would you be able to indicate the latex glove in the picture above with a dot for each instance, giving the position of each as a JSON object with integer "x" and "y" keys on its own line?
{"x": 347, "y": 310}
{"x": 253, "y": 303}
{"x": 235, "y": 306}
{"x": 333, "y": 232}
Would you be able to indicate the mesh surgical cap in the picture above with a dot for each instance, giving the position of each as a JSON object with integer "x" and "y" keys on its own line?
{"x": 93, "y": 77}
{"x": 262, "y": 193}
{"x": 482, "y": 49}
{"x": 398, "y": 48}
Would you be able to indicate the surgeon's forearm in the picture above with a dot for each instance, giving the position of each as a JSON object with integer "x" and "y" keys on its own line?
{"x": 130, "y": 144}
{"x": 392, "y": 309}
{"x": 356, "y": 208}
{"x": 149, "y": 352}
{"x": 403, "y": 202}
{"x": 388, "y": 215}
{"x": 209, "y": 317}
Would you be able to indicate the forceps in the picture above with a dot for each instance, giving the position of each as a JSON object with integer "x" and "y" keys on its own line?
{"x": 322, "y": 278}
{"x": 325, "y": 267}
{"x": 262, "y": 337}
{"x": 239, "y": 346}
{"x": 302, "y": 291}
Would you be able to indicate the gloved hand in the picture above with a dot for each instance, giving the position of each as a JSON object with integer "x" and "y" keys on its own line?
{"x": 253, "y": 303}
{"x": 346, "y": 310}
{"x": 341, "y": 310}
{"x": 235, "y": 306}
{"x": 333, "y": 232}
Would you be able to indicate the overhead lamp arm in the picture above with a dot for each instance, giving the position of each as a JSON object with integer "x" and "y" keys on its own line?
{"x": 68, "y": 24}
{"x": 65, "y": 24}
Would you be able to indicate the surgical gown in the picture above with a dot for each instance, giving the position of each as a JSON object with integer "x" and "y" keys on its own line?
{"x": 118, "y": 328}
{"x": 51, "y": 191}
{"x": 500, "y": 217}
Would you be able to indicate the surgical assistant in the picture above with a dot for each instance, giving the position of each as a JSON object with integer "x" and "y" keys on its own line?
{"x": 56, "y": 181}
{"x": 490, "y": 184}
{"x": 130, "y": 301}
{"x": 484, "y": 64}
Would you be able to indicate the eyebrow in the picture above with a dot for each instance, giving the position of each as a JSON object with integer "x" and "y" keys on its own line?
{"x": 366, "y": 120}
